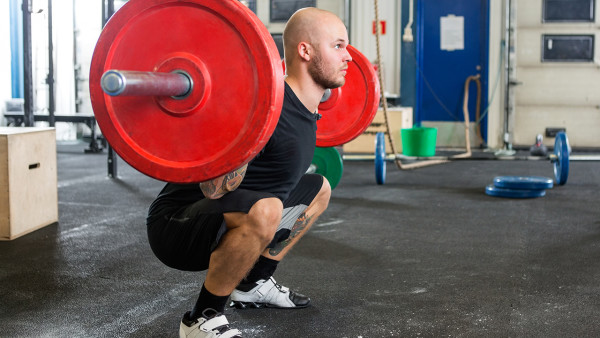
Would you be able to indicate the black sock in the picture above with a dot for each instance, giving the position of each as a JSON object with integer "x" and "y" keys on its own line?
{"x": 207, "y": 300}
{"x": 263, "y": 269}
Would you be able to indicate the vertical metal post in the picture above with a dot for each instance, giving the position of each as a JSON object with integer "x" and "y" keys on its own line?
{"x": 348, "y": 16}
{"x": 50, "y": 78}
{"x": 107, "y": 11}
{"x": 103, "y": 12}
{"x": 27, "y": 66}
{"x": 507, "y": 73}
{"x": 76, "y": 66}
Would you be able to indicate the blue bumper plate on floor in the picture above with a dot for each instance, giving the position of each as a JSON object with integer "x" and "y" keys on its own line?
{"x": 492, "y": 190}
{"x": 523, "y": 182}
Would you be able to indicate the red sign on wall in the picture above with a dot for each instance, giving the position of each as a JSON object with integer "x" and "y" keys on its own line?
{"x": 382, "y": 24}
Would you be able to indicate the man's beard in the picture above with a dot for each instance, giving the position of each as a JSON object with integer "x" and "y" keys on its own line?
{"x": 317, "y": 72}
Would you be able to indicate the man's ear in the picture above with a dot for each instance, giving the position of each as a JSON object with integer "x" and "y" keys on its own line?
{"x": 305, "y": 51}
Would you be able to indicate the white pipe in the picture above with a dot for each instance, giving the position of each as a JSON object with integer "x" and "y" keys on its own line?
{"x": 408, "y": 36}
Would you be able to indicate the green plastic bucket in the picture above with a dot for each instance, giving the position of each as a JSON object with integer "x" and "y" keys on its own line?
{"x": 418, "y": 141}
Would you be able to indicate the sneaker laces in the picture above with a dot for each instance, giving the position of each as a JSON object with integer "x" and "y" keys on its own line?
{"x": 209, "y": 314}
{"x": 281, "y": 288}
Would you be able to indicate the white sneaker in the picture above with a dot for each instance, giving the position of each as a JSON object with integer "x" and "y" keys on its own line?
{"x": 267, "y": 293}
{"x": 211, "y": 325}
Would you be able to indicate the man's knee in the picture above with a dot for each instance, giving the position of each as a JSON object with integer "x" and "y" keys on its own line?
{"x": 324, "y": 194}
{"x": 264, "y": 218}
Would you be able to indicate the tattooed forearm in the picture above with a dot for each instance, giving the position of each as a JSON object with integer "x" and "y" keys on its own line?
{"x": 218, "y": 187}
{"x": 234, "y": 179}
{"x": 208, "y": 188}
{"x": 301, "y": 224}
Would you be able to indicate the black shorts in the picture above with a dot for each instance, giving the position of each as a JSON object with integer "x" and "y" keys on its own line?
{"x": 184, "y": 238}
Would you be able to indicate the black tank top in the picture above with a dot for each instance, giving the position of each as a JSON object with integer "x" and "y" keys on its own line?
{"x": 288, "y": 153}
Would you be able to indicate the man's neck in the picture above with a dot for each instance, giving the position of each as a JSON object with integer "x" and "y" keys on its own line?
{"x": 307, "y": 92}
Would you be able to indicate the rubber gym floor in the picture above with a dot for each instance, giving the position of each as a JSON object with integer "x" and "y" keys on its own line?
{"x": 428, "y": 254}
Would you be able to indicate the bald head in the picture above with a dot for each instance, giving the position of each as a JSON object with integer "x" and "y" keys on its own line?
{"x": 307, "y": 25}
{"x": 316, "y": 57}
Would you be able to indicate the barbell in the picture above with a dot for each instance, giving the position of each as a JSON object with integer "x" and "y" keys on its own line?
{"x": 559, "y": 158}
{"x": 187, "y": 91}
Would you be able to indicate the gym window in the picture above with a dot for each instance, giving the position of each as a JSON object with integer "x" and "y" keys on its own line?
{"x": 568, "y": 11}
{"x": 567, "y": 48}
{"x": 282, "y": 10}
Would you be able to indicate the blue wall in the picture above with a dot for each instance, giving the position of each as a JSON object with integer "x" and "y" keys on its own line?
{"x": 16, "y": 48}
{"x": 408, "y": 63}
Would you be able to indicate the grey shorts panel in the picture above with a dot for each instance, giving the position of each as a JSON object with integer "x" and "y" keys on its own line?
{"x": 290, "y": 215}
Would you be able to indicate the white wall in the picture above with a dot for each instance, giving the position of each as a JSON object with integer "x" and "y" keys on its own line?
{"x": 62, "y": 54}
{"x": 64, "y": 79}
{"x": 88, "y": 23}
{"x": 362, "y": 37}
{"x": 496, "y": 76}
{"x": 554, "y": 94}
{"x": 64, "y": 31}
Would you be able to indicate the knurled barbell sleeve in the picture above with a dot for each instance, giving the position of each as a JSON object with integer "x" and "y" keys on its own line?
{"x": 136, "y": 83}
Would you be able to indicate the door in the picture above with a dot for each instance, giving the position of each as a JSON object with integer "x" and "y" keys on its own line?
{"x": 452, "y": 44}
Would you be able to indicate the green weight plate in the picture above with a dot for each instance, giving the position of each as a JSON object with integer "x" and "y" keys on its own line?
{"x": 328, "y": 162}
{"x": 561, "y": 165}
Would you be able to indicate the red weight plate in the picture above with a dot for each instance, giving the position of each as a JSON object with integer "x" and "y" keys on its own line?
{"x": 355, "y": 104}
{"x": 238, "y": 87}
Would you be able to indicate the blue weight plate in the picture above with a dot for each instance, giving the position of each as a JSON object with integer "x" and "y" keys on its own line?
{"x": 523, "y": 182}
{"x": 513, "y": 193}
{"x": 561, "y": 165}
{"x": 380, "y": 165}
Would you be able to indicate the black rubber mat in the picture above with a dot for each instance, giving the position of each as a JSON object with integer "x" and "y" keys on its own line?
{"x": 427, "y": 254}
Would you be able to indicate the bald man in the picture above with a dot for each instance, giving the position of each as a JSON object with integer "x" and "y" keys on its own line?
{"x": 238, "y": 227}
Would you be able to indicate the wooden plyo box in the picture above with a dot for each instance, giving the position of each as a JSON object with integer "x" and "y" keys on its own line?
{"x": 398, "y": 118}
{"x": 28, "y": 180}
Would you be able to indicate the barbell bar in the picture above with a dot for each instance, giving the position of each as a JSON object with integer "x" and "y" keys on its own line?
{"x": 186, "y": 91}
{"x": 176, "y": 84}
{"x": 131, "y": 83}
